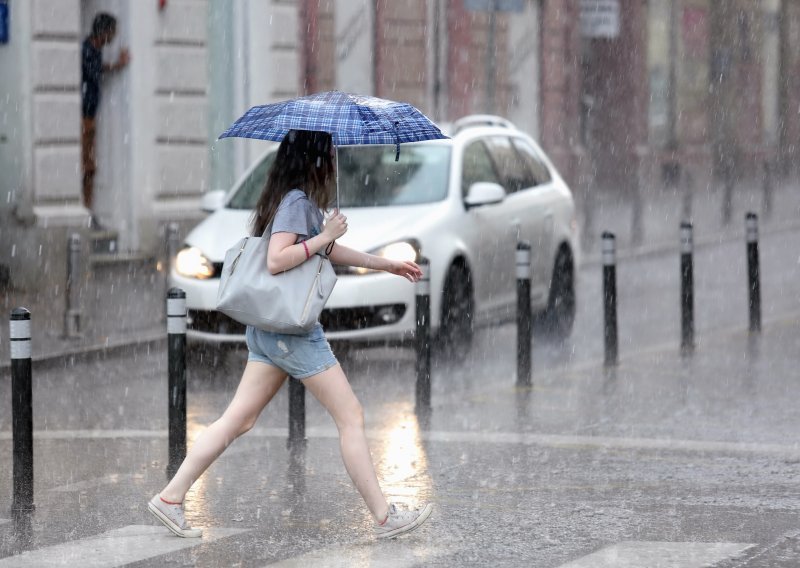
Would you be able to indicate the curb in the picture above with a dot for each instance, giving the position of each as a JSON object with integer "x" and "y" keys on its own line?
{"x": 629, "y": 253}
{"x": 85, "y": 352}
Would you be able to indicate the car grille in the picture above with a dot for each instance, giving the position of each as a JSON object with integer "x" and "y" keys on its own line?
{"x": 349, "y": 319}
{"x": 213, "y": 322}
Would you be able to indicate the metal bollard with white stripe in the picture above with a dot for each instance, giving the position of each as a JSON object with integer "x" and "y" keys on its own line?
{"x": 687, "y": 287}
{"x": 22, "y": 409}
{"x": 610, "y": 298}
{"x": 72, "y": 310}
{"x": 524, "y": 315}
{"x": 176, "y": 353}
{"x": 297, "y": 413}
{"x": 172, "y": 244}
{"x": 753, "y": 271}
{"x": 422, "y": 337}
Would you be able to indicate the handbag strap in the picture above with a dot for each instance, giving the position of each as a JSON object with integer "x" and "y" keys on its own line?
{"x": 268, "y": 233}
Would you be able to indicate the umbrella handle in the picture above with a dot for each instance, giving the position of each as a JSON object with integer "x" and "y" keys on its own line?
{"x": 396, "y": 142}
{"x": 336, "y": 150}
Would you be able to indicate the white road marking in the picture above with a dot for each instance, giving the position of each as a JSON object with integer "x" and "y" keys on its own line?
{"x": 111, "y": 479}
{"x": 113, "y": 548}
{"x": 660, "y": 555}
{"x": 397, "y": 554}
{"x": 530, "y": 439}
{"x": 90, "y": 434}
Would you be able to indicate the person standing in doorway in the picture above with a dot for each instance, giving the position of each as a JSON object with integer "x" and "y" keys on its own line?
{"x": 104, "y": 29}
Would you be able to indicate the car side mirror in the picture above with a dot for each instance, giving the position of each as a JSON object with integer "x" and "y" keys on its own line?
{"x": 484, "y": 193}
{"x": 213, "y": 200}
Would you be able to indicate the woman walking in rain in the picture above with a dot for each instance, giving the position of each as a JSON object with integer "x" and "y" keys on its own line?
{"x": 298, "y": 189}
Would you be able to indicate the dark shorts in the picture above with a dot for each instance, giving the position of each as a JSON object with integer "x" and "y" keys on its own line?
{"x": 301, "y": 356}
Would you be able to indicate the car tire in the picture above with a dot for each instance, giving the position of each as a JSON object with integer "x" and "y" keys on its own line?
{"x": 558, "y": 318}
{"x": 455, "y": 328}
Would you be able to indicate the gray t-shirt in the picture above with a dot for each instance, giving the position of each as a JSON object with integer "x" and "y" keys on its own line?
{"x": 297, "y": 214}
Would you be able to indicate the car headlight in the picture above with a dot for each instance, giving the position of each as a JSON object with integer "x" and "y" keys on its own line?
{"x": 191, "y": 262}
{"x": 401, "y": 250}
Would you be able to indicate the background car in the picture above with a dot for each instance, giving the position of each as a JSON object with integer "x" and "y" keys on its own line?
{"x": 463, "y": 203}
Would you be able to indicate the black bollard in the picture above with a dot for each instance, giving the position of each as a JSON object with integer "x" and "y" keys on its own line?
{"x": 524, "y": 315}
{"x": 610, "y": 298}
{"x": 72, "y": 311}
{"x": 21, "y": 409}
{"x": 768, "y": 186}
{"x": 422, "y": 337}
{"x": 297, "y": 412}
{"x": 172, "y": 244}
{"x": 687, "y": 287}
{"x": 753, "y": 272}
{"x": 176, "y": 345}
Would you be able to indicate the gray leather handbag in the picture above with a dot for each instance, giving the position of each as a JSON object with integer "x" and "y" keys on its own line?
{"x": 287, "y": 302}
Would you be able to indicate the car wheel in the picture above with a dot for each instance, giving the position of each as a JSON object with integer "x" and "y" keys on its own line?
{"x": 455, "y": 330}
{"x": 557, "y": 320}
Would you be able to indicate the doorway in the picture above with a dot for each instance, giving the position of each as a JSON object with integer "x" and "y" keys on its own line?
{"x": 113, "y": 203}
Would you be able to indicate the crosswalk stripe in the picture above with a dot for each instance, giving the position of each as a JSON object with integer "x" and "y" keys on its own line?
{"x": 113, "y": 548}
{"x": 396, "y": 554}
{"x": 660, "y": 555}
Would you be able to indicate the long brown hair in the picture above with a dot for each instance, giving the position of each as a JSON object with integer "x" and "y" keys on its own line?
{"x": 303, "y": 162}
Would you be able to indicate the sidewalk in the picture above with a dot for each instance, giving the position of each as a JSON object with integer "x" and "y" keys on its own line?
{"x": 123, "y": 302}
{"x": 662, "y": 211}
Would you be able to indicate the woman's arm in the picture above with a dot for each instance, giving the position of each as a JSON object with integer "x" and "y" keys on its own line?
{"x": 350, "y": 257}
{"x": 285, "y": 252}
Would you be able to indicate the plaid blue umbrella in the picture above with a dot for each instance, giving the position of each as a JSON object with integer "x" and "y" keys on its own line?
{"x": 350, "y": 119}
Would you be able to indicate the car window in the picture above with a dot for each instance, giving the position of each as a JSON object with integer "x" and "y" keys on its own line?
{"x": 535, "y": 163}
{"x": 513, "y": 169}
{"x": 250, "y": 190}
{"x": 370, "y": 176}
{"x": 477, "y": 167}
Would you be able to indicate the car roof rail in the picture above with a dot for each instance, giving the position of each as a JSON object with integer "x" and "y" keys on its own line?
{"x": 474, "y": 120}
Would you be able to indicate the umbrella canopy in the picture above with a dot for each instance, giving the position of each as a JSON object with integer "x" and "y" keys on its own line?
{"x": 349, "y": 119}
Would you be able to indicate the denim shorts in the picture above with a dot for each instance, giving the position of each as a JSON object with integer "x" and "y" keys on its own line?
{"x": 301, "y": 356}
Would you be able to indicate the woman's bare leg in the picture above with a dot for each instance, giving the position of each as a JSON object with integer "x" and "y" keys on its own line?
{"x": 259, "y": 384}
{"x": 333, "y": 391}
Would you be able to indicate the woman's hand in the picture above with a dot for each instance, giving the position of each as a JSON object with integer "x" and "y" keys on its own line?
{"x": 335, "y": 226}
{"x": 405, "y": 268}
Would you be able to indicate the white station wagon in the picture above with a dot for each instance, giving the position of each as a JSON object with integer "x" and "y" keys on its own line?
{"x": 463, "y": 203}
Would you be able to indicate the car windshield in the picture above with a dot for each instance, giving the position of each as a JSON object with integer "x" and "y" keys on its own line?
{"x": 249, "y": 191}
{"x": 369, "y": 176}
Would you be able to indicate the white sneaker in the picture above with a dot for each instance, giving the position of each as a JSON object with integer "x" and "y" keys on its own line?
{"x": 171, "y": 515}
{"x": 399, "y": 522}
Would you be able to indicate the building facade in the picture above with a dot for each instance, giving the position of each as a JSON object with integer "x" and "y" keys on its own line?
{"x": 621, "y": 94}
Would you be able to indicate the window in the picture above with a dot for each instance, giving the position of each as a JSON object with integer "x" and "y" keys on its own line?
{"x": 477, "y": 167}
{"x": 535, "y": 164}
{"x": 513, "y": 170}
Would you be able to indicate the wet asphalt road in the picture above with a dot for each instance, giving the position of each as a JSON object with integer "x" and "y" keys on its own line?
{"x": 660, "y": 449}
